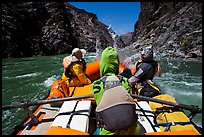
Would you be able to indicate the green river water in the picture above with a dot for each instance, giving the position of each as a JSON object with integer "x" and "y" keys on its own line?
{"x": 31, "y": 78}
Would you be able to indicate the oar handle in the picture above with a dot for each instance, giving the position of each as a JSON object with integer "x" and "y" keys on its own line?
{"x": 192, "y": 108}
{"x": 40, "y": 102}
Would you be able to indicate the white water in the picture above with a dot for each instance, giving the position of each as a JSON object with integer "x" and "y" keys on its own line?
{"x": 182, "y": 80}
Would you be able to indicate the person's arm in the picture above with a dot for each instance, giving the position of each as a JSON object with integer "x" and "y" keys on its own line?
{"x": 159, "y": 70}
{"x": 66, "y": 62}
{"x": 77, "y": 68}
{"x": 143, "y": 69}
{"x": 134, "y": 79}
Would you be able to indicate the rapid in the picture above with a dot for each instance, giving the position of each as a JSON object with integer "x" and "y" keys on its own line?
{"x": 25, "y": 79}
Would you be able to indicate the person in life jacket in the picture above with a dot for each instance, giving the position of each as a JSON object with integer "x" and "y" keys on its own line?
{"x": 59, "y": 89}
{"x": 144, "y": 71}
{"x": 112, "y": 89}
{"x": 75, "y": 69}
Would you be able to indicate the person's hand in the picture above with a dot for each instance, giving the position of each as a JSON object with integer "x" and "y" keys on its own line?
{"x": 133, "y": 80}
{"x": 132, "y": 84}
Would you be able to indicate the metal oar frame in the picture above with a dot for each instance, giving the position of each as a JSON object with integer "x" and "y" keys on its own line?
{"x": 193, "y": 109}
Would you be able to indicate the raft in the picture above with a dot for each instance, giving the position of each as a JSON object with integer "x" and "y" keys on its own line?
{"x": 77, "y": 117}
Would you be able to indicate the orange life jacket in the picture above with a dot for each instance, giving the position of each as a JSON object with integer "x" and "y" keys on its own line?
{"x": 59, "y": 89}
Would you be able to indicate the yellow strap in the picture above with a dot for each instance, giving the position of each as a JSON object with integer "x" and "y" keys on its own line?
{"x": 153, "y": 85}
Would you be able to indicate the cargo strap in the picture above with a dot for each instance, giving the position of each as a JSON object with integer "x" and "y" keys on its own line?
{"x": 73, "y": 92}
{"x": 166, "y": 109}
{"x": 60, "y": 85}
{"x": 143, "y": 111}
{"x": 74, "y": 112}
{"x": 168, "y": 124}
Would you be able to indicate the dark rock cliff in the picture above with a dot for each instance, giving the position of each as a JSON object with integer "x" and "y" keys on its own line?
{"x": 49, "y": 28}
{"x": 173, "y": 28}
{"x": 87, "y": 29}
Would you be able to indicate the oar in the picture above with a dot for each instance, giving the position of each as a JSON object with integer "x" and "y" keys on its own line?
{"x": 179, "y": 105}
{"x": 40, "y": 102}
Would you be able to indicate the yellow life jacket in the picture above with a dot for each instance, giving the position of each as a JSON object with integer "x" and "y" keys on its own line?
{"x": 77, "y": 76}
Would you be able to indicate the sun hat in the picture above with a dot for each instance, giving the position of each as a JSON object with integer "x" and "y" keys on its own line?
{"x": 83, "y": 51}
{"x": 73, "y": 57}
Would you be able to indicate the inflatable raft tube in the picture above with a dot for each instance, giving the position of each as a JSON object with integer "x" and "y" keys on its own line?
{"x": 93, "y": 69}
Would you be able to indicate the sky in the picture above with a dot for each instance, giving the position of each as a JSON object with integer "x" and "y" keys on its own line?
{"x": 122, "y": 16}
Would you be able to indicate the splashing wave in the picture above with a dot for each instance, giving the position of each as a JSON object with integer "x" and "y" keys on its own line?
{"x": 50, "y": 80}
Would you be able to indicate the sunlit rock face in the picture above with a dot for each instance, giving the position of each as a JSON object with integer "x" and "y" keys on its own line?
{"x": 49, "y": 28}
{"x": 126, "y": 38}
{"x": 173, "y": 28}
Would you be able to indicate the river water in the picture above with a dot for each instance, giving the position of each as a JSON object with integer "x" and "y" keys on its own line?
{"x": 31, "y": 78}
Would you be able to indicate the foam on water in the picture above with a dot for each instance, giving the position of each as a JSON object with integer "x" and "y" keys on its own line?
{"x": 169, "y": 74}
{"x": 50, "y": 80}
{"x": 28, "y": 75}
{"x": 188, "y": 93}
{"x": 181, "y": 80}
{"x": 190, "y": 84}
{"x": 7, "y": 77}
{"x": 6, "y": 114}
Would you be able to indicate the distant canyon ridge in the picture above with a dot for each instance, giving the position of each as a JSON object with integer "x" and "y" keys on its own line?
{"x": 51, "y": 28}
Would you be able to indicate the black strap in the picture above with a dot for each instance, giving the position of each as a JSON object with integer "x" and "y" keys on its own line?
{"x": 72, "y": 114}
{"x": 120, "y": 77}
{"x": 142, "y": 110}
{"x": 166, "y": 109}
{"x": 168, "y": 124}
{"x": 103, "y": 79}
{"x": 61, "y": 90}
{"x": 73, "y": 92}
{"x": 84, "y": 64}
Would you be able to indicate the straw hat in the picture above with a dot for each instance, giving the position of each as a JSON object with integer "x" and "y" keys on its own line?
{"x": 77, "y": 54}
{"x": 83, "y": 51}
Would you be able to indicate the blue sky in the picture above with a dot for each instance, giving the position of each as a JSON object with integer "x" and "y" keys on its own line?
{"x": 121, "y": 15}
